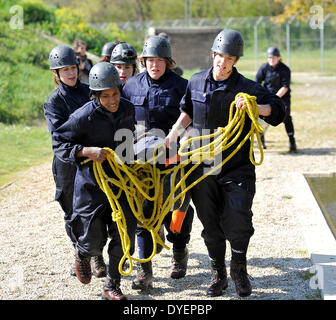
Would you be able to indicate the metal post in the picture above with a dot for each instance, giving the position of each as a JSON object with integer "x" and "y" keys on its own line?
{"x": 187, "y": 11}
{"x": 256, "y": 42}
{"x": 322, "y": 41}
{"x": 288, "y": 23}
{"x": 288, "y": 43}
{"x": 322, "y": 45}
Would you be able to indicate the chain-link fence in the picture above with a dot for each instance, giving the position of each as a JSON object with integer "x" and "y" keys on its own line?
{"x": 305, "y": 46}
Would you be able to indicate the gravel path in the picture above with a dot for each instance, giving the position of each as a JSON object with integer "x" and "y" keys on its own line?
{"x": 36, "y": 255}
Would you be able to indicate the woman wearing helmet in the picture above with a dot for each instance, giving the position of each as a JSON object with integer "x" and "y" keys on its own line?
{"x": 156, "y": 94}
{"x": 69, "y": 95}
{"x": 107, "y": 51}
{"x": 84, "y": 136}
{"x": 124, "y": 58}
{"x": 223, "y": 201}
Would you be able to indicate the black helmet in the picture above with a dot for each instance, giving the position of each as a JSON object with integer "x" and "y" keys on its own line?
{"x": 103, "y": 76}
{"x": 62, "y": 56}
{"x": 229, "y": 42}
{"x": 156, "y": 47}
{"x": 273, "y": 51}
{"x": 123, "y": 53}
{"x": 108, "y": 48}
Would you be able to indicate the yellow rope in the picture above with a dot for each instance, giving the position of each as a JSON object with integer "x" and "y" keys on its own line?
{"x": 139, "y": 180}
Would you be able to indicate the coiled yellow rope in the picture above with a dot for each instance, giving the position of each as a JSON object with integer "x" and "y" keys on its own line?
{"x": 139, "y": 180}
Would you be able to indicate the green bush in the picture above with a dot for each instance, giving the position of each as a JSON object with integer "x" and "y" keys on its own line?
{"x": 36, "y": 12}
{"x": 25, "y": 80}
{"x": 70, "y": 26}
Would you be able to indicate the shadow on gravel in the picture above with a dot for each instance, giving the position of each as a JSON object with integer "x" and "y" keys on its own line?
{"x": 283, "y": 281}
{"x": 311, "y": 152}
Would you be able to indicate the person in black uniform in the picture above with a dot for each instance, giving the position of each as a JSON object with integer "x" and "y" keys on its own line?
{"x": 84, "y": 136}
{"x": 69, "y": 95}
{"x": 223, "y": 201}
{"x": 276, "y": 77}
{"x": 156, "y": 94}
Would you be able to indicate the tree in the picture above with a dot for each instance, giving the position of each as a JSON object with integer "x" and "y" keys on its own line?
{"x": 302, "y": 9}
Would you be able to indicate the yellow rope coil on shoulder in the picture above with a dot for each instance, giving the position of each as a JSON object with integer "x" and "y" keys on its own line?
{"x": 139, "y": 180}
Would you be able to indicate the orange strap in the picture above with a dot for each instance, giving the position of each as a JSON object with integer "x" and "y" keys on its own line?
{"x": 177, "y": 220}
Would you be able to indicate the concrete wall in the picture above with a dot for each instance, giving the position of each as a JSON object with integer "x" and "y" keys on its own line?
{"x": 191, "y": 46}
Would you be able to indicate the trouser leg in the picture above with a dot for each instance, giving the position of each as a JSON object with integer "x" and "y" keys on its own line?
{"x": 90, "y": 232}
{"x": 115, "y": 249}
{"x": 64, "y": 176}
{"x": 225, "y": 213}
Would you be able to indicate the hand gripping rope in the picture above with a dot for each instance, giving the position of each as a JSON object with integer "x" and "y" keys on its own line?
{"x": 139, "y": 180}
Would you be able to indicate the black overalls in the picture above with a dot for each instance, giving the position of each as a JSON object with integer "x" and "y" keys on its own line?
{"x": 157, "y": 106}
{"x": 274, "y": 78}
{"x": 223, "y": 201}
{"x": 92, "y": 126}
{"x": 62, "y": 102}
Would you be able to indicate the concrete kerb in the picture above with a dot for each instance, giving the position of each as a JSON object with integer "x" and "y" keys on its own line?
{"x": 320, "y": 241}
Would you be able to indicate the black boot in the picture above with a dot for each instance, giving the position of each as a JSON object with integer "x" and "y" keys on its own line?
{"x": 219, "y": 280}
{"x": 240, "y": 277}
{"x": 292, "y": 144}
{"x": 179, "y": 263}
{"x": 83, "y": 268}
{"x": 144, "y": 278}
{"x": 112, "y": 290}
{"x": 98, "y": 266}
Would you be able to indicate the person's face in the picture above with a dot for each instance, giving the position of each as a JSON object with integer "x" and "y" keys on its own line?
{"x": 125, "y": 71}
{"x": 82, "y": 50}
{"x": 156, "y": 67}
{"x": 222, "y": 65}
{"x": 68, "y": 75}
{"x": 110, "y": 99}
{"x": 273, "y": 61}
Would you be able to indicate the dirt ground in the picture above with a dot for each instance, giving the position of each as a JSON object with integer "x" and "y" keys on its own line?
{"x": 36, "y": 255}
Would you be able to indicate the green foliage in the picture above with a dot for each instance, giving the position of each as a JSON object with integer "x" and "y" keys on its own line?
{"x": 25, "y": 80}
{"x": 70, "y": 25}
{"x": 37, "y": 12}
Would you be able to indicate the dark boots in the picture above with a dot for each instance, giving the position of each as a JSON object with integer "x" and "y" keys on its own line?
{"x": 112, "y": 290}
{"x": 83, "y": 268}
{"x": 144, "y": 278}
{"x": 240, "y": 277}
{"x": 219, "y": 280}
{"x": 98, "y": 266}
{"x": 179, "y": 263}
{"x": 292, "y": 144}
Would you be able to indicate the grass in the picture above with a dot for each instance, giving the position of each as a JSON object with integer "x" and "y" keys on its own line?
{"x": 302, "y": 60}
{"x": 25, "y": 78}
{"x": 22, "y": 147}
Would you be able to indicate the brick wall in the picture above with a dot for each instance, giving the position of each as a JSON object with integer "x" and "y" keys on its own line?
{"x": 191, "y": 46}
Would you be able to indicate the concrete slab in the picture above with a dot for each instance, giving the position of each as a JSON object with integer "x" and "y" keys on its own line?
{"x": 321, "y": 243}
